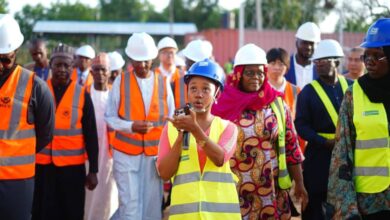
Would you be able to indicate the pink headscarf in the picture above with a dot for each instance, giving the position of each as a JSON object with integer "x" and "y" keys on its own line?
{"x": 233, "y": 101}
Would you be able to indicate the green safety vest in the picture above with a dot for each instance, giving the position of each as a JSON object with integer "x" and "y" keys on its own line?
{"x": 372, "y": 152}
{"x": 283, "y": 177}
{"x": 210, "y": 194}
{"x": 328, "y": 104}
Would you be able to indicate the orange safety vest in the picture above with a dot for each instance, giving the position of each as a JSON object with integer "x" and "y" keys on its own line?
{"x": 290, "y": 97}
{"x": 135, "y": 143}
{"x": 179, "y": 88}
{"x": 17, "y": 136}
{"x": 67, "y": 147}
{"x": 74, "y": 78}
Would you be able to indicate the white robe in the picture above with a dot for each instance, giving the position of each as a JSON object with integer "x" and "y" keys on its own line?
{"x": 101, "y": 203}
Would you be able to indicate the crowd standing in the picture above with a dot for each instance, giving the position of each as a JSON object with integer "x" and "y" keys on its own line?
{"x": 226, "y": 145}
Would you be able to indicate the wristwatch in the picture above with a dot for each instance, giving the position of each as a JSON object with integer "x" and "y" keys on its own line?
{"x": 202, "y": 143}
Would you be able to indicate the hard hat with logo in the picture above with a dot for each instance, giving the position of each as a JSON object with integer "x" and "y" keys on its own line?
{"x": 198, "y": 50}
{"x": 309, "y": 31}
{"x": 328, "y": 48}
{"x": 116, "y": 61}
{"x": 208, "y": 69}
{"x": 378, "y": 34}
{"x": 10, "y": 36}
{"x": 166, "y": 42}
{"x": 141, "y": 47}
{"x": 86, "y": 51}
{"x": 250, "y": 54}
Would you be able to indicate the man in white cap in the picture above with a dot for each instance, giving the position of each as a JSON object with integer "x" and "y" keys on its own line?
{"x": 167, "y": 49}
{"x": 61, "y": 176}
{"x": 137, "y": 107}
{"x": 26, "y": 124}
{"x": 101, "y": 203}
{"x": 116, "y": 66}
{"x": 302, "y": 70}
{"x": 82, "y": 71}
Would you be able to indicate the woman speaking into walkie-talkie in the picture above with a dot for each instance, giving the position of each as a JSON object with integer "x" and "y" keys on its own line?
{"x": 203, "y": 184}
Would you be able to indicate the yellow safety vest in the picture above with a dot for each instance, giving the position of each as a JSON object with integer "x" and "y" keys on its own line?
{"x": 208, "y": 195}
{"x": 328, "y": 104}
{"x": 372, "y": 152}
{"x": 283, "y": 176}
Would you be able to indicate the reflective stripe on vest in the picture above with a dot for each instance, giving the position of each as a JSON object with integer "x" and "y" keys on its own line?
{"x": 208, "y": 195}
{"x": 67, "y": 147}
{"x": 136, "y": 143}
{"x": 283, "y": 177}
{"x": 327, "y": 103}
{"x": 179, "y": 88}
{"x": 290, "y": 97}
{"x": 372, "y": 150}
{"x": 17, "y": 137}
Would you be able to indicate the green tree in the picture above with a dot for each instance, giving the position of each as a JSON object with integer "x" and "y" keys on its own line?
{"x": 285, "y": 14}
{"x": 68, "y": 11}
{"x": 27, "y": 18}
{"x": 360, "y": 16}
{"x": 204, "y": 13}
{"x": 124, "y": 10}
{"x": 3, "y": 6}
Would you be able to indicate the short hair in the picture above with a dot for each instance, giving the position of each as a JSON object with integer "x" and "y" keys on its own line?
{"x": 37, "y": 41}
{"x": 279, "y": 54}
{"x": 357, "y": 49}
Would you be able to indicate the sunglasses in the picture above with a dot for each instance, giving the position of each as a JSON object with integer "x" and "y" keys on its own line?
{"x": 5, "y": 60}
{"x": 375, "y": 59}
{"x": 250, "y": 73}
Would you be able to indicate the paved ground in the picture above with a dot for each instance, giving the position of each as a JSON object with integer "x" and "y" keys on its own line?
{"x": 297, "y": 205}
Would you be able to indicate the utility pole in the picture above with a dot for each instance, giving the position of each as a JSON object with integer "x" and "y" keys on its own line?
{"x": 241, "y": 27}
{"x": 171, "y": 18}
{"x": 259, "y": 16}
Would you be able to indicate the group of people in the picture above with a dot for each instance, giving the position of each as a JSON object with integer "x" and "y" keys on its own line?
{"x": 232, "y": 145}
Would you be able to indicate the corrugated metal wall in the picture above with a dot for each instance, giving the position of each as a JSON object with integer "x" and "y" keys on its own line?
{"x": 225, "y": 41}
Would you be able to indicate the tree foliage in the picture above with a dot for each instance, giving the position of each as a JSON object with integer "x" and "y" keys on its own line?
{"x": 3, "y": 6}
{"x": 284, "y": 14}
{"x": 358, "y": 19}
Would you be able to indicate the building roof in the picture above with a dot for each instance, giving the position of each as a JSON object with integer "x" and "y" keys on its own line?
{"x": 112, "y": 28}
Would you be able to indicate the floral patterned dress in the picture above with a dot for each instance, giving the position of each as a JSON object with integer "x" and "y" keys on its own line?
{"x": 343, "y": 201}
{"x": 255, "y": 162}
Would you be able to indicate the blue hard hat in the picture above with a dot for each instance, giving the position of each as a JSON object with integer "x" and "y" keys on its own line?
{"x": 208, "y": 69}
{"x": 378, "y": 34}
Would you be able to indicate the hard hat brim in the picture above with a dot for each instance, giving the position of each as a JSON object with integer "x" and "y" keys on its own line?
{"x": 150, "y": 56}
{"x": 18, "y": 42}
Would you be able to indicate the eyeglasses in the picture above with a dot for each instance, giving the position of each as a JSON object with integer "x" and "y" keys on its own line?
{"x": 322, "y": 61}
{"x": 251, "y": 73}
{"x": 168, "y": 53}
{"x": 96, "y": 69}
{"x": 375, "y": 59}
{"x": 5, "y": 60}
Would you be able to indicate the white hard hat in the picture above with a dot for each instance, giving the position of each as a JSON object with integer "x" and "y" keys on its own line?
{"x": 250, "y": 54}
{"x": 86, "y": 51}
{"x": 198, "y": 50}
{"x": 309, "y": 32}
{"x": 116, "y": 61}
{"x": 10, "y": 36}
{"x": 179, "y": 61}
{"x": 328, "y": 48}
{"x": 141, "y": 47}
{"x": 166, "y": 42}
